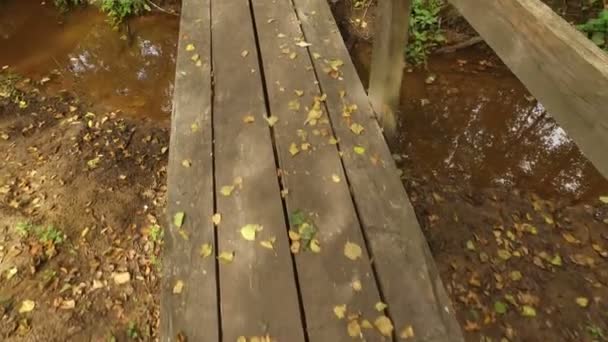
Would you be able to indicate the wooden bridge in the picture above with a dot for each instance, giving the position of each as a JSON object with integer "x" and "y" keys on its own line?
{"x": 288, "y": 220}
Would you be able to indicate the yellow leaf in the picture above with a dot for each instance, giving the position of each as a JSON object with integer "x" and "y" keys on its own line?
{"x": 269, "y": 244}
{"x": 356, "y": 128}
{"x": 315, "y": 113}
{"x": 352, "y": 251}
{"x": 186, "y": 163}
{"x": 226, "y": 257}
{"x": 293, "y": 149}
{"x": 333, "y": 141}
{"x": 249, "y": 231}
{"x": 303, "y": 44}
{"x": 582, "y": 302}
{"x": 190, "y": 47}
{"x": 335, "y": 178}
{"x": 244, "y": 53}
{"x": 216, "y": 218}
{"x": 293, "y": 235}
{"x": 384, "y": 325}
{"x": 300, "y": 93}
{"x": 226, "y": 190}
{"x": 305, "y": 146}
{"x": 356, "y": 285}
{"x": 340, "y": 311}
{"x": 194, "y": 127}
{"x": 353, "y": 328}
{"x": 295, "y": 247}
{"x": 365, "y": 324}
{"x": 604, "y": 199}
{"x": 206, "y": 250}
{"x": 570, "y": 238}
{"x": 248, "y": 119}
{"x": 407, "y": 332}
{"x": 314, "y": 246}
{"x": 380, "y": 306}
{"x": 196, "y": 57}
{"x": 179, "y": 287}
{"x": 241, "y": 339}
{"x": 294, "y": 105}
{"x": 293, "y": 55}
{"x": 359, "y": 149}
{"x": 316, "y": 55}
{"x": 271, "y": 120}
{"x": 178, "y": 219}
{"x": 27, "y": 306}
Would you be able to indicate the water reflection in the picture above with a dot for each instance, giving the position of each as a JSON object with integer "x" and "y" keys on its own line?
{"x": 477, "y": 125}
{"x": 132, "y": 72}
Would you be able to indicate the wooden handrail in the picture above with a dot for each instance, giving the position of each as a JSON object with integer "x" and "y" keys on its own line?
{"x": 565, "y": 71}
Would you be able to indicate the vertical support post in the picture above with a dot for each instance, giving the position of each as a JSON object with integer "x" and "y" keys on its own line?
{"x": 388, "y": 60}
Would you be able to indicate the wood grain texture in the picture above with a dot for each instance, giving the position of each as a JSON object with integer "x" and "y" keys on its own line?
{"x": 388, "y": 60}
{"x": 258, "y": 289}
{"x": 565, "y": 71}
{"x": 406, "y": 271}
{"x": 193, "y": 312}
{"x": 325, "y": 278}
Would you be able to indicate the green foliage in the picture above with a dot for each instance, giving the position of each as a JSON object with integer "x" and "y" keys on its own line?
{"x": 48, "y": 234}
{"x": 119, "y": 10}
{"x": 23, "y": 229}
{"x": 156, "y": 233}
{"x": 65, "y": 5}
{"x": 596, "y": 29}
{"x": 132, "y": 331}
{"x": 425, "y": 30}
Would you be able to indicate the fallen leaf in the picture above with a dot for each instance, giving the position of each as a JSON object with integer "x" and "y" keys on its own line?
{"x": 216, "y": 219}
{"x": 500, "y": 307}
{"x": 206, "y": 250}
{"x": 316, "y": 55}
{"x": 356, "y": 128}
{"x": 248, "y": 119}
{"x": 380, "y": 306}
{"x": 340, "y": 311}
{"x": 190, "y": 47}
{"x": 226, "y": 257}
{"x": 186, "y": 163}
{"x": 293, "y": 55}
{"x": 196, "y": 57}
{"x": 269, "y": 244}
{"x": 194, "y": 127}
{"x": 227, "y": 190}
{"x": 271, "y": 120}
{"x": 294, "y": 105}
{"x": 582, "y": 302}
{"x": 27, "y": 306}
{"x": 407, "y": 332}
{"x": 504, "y": 254}
{"x": 244, "y": 53}
{"x": 356, "y": 285}
{"x": 303, "y": 44}
{"x": 121, "y": 278}
{"x": 352, "y": 250}
{"x": 11, "y": 272}
{"x": 67, "y": 304}
{"x": 314, "y": 246}
{"x": 249, "y": 231}
{"x": 515, "y": 275}
{"x": 353, "y": 328}
{"x": 293, "y": 149}
{"x": 604, "y": 199}
{"x": 335, "y": 178}
{"x": 384, "y": 325}
{"x": 359, "y": 149}
{"x": 470, "y": 245}
{"x": 178, "y": 287}
{"x": 299, "y": 93}
{"x": 178, "y": 219}
{"x": 528, "y": 311}
{"x": 333, "y": 141}
{"x": 570, "y": 238}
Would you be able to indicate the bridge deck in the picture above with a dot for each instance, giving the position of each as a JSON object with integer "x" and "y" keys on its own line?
{"x": 273, "y": 133}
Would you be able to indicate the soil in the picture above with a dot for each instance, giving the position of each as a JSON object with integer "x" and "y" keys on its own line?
{"x": 509, "y": 205}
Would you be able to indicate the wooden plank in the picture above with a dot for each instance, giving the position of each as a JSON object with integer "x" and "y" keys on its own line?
{"x": 407, "y": 274}
{"x": 194, "y": 312}
{"x": 258, "y": 289}
{"x": 565, "y": 71}
{"x": 325, "y": 278}
{"x": 388, "y": 60}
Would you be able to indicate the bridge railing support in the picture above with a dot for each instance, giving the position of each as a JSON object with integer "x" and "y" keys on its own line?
{"x": 391, "y": 35}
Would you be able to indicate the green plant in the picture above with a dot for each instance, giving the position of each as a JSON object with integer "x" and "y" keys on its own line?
{"x": 23, "y": 229}
{"x": 596, "y": 29}
{"x": 132, "y": 331}
{"x": 156, "y": 233}
{"x": 50, "y": 234}
{"x": 119, "y": 10}
{"x": 425, "y": 30}
{"x": 596, "y": 332}
{"x": 65, "y": 5}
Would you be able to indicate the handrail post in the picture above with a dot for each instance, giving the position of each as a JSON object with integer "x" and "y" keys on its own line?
{"x": 388, "y": 60}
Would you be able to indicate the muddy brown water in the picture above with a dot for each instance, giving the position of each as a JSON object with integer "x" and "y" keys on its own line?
{"x": 475, "y": 124}
{"x": 128, "y": 70}
{"x": 478, "y": 126}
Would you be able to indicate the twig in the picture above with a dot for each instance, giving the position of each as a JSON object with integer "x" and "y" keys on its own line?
{"x": 461, "y": 45}
{"x": 160, "y": 8}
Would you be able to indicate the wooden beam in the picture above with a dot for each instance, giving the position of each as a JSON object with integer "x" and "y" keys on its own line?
{"x": 565, "y": 71}
{"x": 388, "y": 60}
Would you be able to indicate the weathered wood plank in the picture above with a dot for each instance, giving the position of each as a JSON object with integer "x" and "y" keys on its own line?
{"x": 315, "y": 180}
{"x": 405, "y": 268}
{"x": 388, "y": 60}
{"x": 193, "y": 312}
{"x": 566, "y": 72}
{"x": 258, "y": 289}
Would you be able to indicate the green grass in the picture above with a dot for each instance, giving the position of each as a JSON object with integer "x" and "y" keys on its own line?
{"x": 48, "y": 234}
{"x": 596, "y": 29}
{"x": 425, "y": 30}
